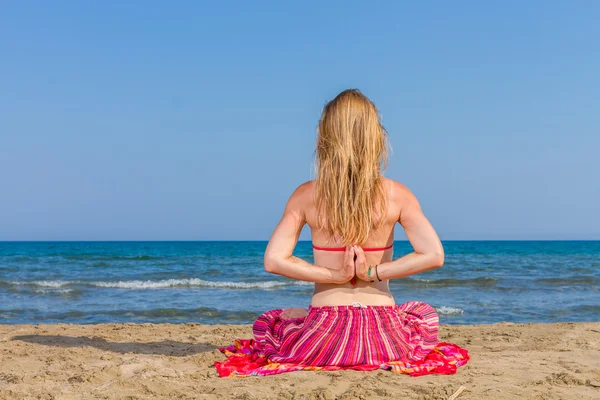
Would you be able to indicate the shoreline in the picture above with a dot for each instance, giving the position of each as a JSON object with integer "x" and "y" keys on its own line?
{"x": 162, "y": 361}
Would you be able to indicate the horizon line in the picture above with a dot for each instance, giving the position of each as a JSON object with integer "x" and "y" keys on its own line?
{"x": 266, "y": 240}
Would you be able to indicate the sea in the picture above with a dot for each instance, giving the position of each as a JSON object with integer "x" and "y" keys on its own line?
{"x": 224, "y": 282}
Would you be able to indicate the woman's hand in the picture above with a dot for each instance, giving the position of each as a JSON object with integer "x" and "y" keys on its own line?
{"x": 360, "y": 265}
{"x": 347, "y": 270}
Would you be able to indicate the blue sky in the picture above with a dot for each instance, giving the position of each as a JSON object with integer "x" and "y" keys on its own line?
{"x": 196, "y": 120}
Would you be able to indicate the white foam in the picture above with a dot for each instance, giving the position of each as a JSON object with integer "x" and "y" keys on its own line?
{"x": 192, "y": 282}
{"x": 167, "y": 283}
{"x": 53, "y": 284}
{"x": 444, "y": 310}
{"x": 53, "y": 291}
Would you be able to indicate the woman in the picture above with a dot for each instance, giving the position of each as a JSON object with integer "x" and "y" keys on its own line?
{"x": 351, "y": 210}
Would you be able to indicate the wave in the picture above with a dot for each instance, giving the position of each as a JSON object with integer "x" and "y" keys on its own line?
{"x": 590, "y": 310}
{"x": 445, "y": 310}
{"x": 202, "y": 314}
{"x": 158, "y": 315}
{"x": 161, "y": 284}
{"x": 48, "y": 284}
{"x": 571, "y": 280}
{"x": 15, "y": 312}
{"x": 446, "y": 282}
{"x": 205, "y": 312}
{"x": 54, "y": 291}
{"x": 195, "y": 282}
{"x": 95, "y": 257}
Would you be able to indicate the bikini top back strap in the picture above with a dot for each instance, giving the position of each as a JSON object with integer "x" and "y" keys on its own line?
{"x": 344, "y": 249}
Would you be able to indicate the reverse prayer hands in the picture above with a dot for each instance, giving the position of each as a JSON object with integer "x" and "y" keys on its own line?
{"x": 364, "y": 271}
{"x": 347, "y": 270}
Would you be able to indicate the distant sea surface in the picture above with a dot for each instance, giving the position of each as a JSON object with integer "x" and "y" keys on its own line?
{"x": 225, "y": 282}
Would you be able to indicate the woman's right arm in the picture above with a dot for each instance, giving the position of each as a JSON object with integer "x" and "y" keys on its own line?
{"x": 278, "y": 256}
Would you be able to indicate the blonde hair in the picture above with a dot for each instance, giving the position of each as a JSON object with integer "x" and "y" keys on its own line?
{"x": 351, "y": 155}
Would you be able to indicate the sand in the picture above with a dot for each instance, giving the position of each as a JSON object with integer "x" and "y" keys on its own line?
{"x": 174, "y": 361}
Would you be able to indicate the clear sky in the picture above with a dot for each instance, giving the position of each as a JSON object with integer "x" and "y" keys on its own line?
{"x": 147, "y": 120}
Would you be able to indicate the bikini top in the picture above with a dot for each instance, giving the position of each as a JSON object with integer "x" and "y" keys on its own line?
{"x": 344, "y": 249}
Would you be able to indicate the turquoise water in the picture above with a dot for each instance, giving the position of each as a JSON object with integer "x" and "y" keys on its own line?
{"x": 224, "y": 282}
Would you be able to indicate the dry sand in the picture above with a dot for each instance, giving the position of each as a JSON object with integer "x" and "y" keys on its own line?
{"x": 170, "y": 361}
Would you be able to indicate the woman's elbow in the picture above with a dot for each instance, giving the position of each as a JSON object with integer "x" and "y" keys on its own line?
{"x": 270, "y": 263}
{"x": 431, "y": 260}
{"x": 437, "y": 260}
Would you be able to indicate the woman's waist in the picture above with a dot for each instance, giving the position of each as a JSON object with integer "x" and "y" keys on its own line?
{"x": 349, "y": 296}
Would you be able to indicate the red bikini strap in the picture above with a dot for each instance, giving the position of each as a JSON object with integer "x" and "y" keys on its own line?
{"x": 344, "y": 249}
{"x": 379, "y": 248}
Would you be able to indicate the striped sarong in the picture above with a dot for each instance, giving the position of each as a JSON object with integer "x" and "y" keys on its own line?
{"x": 401, "y": 338}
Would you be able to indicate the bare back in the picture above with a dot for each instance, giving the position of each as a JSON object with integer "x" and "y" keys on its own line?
{"x": 377, "y": 293}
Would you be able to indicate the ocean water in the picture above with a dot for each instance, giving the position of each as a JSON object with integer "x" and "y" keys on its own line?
{"x": 224, "y": 282}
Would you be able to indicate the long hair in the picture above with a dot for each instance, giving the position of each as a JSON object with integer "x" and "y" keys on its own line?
{"x": 351, "y": 155}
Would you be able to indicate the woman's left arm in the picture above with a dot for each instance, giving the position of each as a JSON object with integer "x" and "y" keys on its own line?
{"x": 278, "y": 256}
{"x": 428, "y": 250}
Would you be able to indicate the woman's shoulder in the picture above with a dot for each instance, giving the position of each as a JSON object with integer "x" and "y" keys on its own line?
{"x": 305, "y": 188}
{"x": 399, "y": 196}
{"x": 396, "y": 189}
{"x": 303, "y": 193}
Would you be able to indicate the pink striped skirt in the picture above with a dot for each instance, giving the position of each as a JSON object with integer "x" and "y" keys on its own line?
{"x": 402, "y": 338}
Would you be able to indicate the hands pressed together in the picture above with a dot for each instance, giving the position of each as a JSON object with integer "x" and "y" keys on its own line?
{"x": 355, "y": 264}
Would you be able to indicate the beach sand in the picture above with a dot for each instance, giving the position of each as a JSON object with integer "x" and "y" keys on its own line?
{"x": 174, "y": 361}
